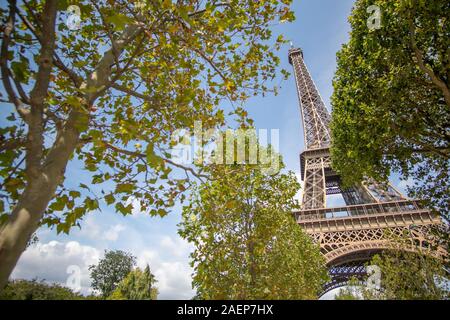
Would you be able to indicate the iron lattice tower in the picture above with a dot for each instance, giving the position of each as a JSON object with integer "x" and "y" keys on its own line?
{"x": 349, "y": 235}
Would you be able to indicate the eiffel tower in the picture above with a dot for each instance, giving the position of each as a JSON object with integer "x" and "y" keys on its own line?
{"x": 348, "y": 235}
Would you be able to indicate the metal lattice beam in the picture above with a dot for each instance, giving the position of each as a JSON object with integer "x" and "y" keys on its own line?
{"x": 340, "y": 275}
{"x": 315, "y": 117}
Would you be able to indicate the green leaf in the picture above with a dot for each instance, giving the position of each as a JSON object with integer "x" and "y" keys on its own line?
{"x": 154, "y": 160}
{"x": 124, "y": 188}
{"x": 125, "y": 210}
{"x": 74, "y": 194}
{"x": 109, "y": 198}
{"x": 73, "y": 101}
{"x": 119, "y": 21}
{"x": 58, "y": 205}
{"x": 21, "y": 70}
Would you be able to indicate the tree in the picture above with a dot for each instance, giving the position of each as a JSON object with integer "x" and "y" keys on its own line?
{"x": 137, "y": 285}
{"x": 352, "y": 291}
{"x": 391, "y": 100}
{"x": 103, "y": 85}
{"x": 404, "y": 276}
{"x": 37, "y": 290}
{"x": 407, "y": 276}
{"x": 247, "y": 243}
{"x": 111, "y": 270}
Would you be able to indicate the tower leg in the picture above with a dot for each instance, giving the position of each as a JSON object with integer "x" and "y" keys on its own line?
{"x": 315, "y": 189}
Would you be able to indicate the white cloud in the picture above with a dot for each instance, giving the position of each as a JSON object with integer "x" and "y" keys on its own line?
{"x": 50, "y": 261}
{"x": 90, "y": 228}
{"x": 170, "y": 265}
{"x": 112, "y": 234}
{"x": 174, "y": 277}
{"x": 176, "y": 246}
{"x": 174, "y": 281}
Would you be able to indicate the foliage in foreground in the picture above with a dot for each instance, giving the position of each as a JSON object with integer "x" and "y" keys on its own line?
{"x": 247, "y": 243}
{"x": 350, "y": 292}
{"x": 137, "y": 285}
{"x": 404, "y": 276}
{"x": 391, "y": 99}
{"x": 38, "y": 290}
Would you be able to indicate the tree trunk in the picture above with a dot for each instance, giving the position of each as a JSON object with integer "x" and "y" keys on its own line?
{"x": 23, "y": 222}
{"x": 32, "y": 204}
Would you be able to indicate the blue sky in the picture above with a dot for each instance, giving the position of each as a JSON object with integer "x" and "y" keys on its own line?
{"x": 320, "y": 30}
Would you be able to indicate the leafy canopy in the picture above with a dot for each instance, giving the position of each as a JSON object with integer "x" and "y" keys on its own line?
{"x": 247, "y": 243}
{"x": 137, "y": 285}
{"x": 108, "y": 95}
{"x": 110, "y": 271}
{"x": 38, "y": 290}
{"x": 404, "y": 276}
{"x": 391, "y": 100}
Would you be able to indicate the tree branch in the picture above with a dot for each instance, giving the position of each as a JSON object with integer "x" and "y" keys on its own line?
{"x": 35, "y": 137}
{"x": 199, "y": 12}
{"x": 420, "y": 61}
{"x": 20, "y": 90}
{"x": 100, "y": 77}
{"x": 76, "y": 79}
{"x": 9, "y": 28}
{"x": 130, "y": 92}
{"x": 143, "y": 156}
